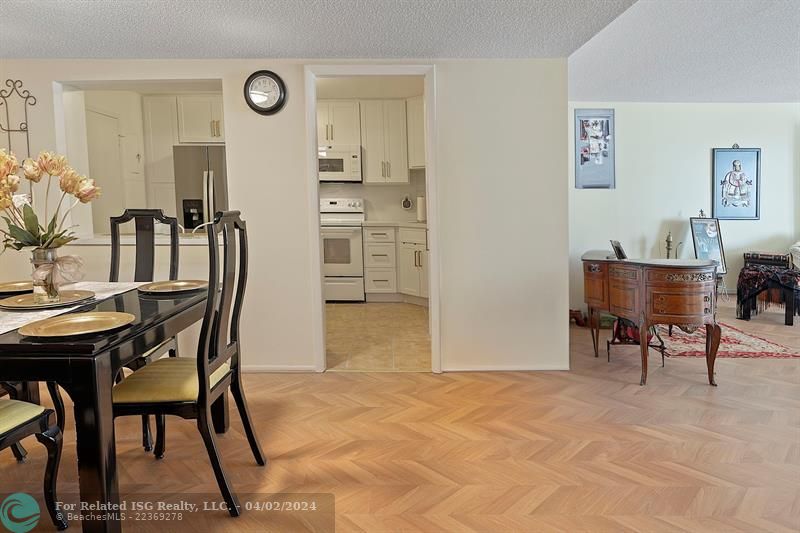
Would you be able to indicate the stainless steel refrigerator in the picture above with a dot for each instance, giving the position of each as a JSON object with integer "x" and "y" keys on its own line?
{"x": 201, "y": 183}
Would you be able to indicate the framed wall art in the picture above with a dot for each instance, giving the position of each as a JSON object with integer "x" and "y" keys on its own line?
{"x": 707, "y": 241}
{"x": 594, "y": 149}
{"x": 736, "y": 187}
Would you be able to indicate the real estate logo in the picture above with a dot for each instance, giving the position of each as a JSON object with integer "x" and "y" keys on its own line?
{"x": 19, "y": 513}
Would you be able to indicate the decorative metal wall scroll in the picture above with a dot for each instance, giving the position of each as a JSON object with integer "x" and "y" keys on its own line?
{"x": 7, "y": 98}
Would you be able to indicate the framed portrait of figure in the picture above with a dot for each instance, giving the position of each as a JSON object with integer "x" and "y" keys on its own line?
{"x": 736, "y": 187}
{"x": 594, "y": 149}
{"x": 707, "y": 241}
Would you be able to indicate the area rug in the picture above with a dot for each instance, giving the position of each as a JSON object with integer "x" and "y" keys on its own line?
{"x": 734, "y": 343}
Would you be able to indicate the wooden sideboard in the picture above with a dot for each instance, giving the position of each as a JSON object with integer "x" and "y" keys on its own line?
{"x": 676, "y": 292}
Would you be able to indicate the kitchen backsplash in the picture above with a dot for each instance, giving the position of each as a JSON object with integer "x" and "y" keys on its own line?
{"x": 383, "y": 202}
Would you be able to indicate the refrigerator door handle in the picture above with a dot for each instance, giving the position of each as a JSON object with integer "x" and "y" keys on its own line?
{"x": 212, "y": 201}
{"x": 205, "y": 196}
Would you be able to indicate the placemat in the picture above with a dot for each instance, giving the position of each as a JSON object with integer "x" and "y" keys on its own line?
{"x": 11, "y": 320}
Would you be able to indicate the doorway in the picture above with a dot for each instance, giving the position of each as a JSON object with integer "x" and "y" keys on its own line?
{"x": 387, "y": 318}
{"x": 105, "y": 159}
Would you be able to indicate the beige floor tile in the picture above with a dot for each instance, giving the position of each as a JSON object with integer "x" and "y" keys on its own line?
{"x": 378, "y": 337}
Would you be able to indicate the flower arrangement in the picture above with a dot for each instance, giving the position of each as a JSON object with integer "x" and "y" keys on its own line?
{"x": 23, "y": 226}
{"x": 23, "y": 229}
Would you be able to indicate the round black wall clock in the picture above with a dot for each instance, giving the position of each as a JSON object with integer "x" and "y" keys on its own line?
{"x": 265, "y": 92}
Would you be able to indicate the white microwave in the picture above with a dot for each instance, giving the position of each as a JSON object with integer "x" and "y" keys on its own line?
{"x": 339, "y": 163}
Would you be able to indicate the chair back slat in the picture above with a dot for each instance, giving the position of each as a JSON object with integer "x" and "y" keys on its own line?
{"x": 144, "y": 223}
{"x": 219, "y": 333}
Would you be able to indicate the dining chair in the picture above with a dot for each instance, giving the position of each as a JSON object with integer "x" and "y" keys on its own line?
{"x": 144, "y": 223}
{"x": 20, "y": 419}
{"x": 187, "y": 387}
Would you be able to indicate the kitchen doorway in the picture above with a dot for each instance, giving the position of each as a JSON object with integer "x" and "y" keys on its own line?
{"x": 371, "y": 165}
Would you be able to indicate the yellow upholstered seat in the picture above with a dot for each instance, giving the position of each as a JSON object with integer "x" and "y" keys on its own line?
{"x": 14, "y": 413}
{"x": 169, "y": 379}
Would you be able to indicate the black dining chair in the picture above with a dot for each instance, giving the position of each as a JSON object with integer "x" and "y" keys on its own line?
{"x": 187, "y": 387}
{"x": 144, "y": 223}
{"x": 20, "y": 419}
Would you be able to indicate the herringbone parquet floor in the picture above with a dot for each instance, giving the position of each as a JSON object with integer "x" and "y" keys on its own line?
{"x": 586, "y": 450}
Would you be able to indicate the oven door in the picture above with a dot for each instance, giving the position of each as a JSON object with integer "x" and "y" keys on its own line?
{"x": 342, "y": 252}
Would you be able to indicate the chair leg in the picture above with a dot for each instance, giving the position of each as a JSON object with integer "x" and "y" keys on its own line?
{"x": 52, "y": 441}
{"x": 161, "y": 436}
{"x": 147, "y": 438}
{"x": 19, "y": 452}
{"x": 241, "y": 405}
{"x": 207, "y": 432}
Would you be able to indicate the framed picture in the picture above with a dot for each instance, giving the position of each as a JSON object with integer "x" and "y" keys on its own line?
{"x": 594, "y": 149}
{"x": 736, "y": 188}
{"x": 707, "y": 241}
{"x": 618, "y": 251}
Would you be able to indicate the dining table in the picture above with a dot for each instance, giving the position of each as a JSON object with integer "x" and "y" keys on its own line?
{"x": 86, "y": 368}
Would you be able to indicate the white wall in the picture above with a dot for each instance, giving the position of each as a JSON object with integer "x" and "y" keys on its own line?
{"x": 663, "y": 167}
{"x": 503, "y": 279}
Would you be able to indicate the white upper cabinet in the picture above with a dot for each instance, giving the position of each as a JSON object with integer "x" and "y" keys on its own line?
{"x": 384, "y": 141}
{"x": 200, "y": 118}
{"x": 338, "y": 122}
{"x": 415, "y": 109}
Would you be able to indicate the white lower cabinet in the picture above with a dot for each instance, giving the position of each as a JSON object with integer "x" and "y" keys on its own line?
{"x": 413, "y": 263}
{"x": 380, "y": 280}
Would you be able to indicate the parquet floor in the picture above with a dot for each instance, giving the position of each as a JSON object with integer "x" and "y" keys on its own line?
{"x": 586, "y": 450}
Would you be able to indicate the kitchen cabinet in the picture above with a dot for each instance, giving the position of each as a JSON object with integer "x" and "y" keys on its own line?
{"x": 200, "y": 118}
{"x": 415, "y": 117}
{"x": 384, "y": 141}
{"x": 338, "y": 122}
{"x": 380, "y": 260}
{"x": 412, "y": 263}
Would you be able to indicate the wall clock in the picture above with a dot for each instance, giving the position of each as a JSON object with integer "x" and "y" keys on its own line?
{"x": 265, "y": 92}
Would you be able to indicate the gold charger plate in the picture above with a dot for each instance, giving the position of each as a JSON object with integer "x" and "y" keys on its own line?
{"x": 25, "y": 302}
{"x": 173, "y": 286}
{"x": 16, "y": 286}
{"x": 76, "y": 324}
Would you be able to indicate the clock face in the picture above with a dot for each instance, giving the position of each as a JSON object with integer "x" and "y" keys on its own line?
{"x": 265, "y": 92}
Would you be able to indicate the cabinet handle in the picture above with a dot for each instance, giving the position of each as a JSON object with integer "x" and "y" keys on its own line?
{"x": 212, "y": 127}
{"x": 219, "y": 133}
{"x": 380, "y": 255}
{"x": 420, "y": 258}
{"x": 383, "y": 169}
{"x": 388, "y": 169}
{"x": 331, "y": 131}
{"x": 376, "y": 233}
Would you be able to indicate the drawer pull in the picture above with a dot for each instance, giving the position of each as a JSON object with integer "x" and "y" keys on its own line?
{"x": 594, "y": 268}
{"x": 384, "y": 234}
{"x": 380, "y": 255}
{"x": 707, "y": 311}
{"x": 706, "y": 299}
{"x": 381, "y": 280}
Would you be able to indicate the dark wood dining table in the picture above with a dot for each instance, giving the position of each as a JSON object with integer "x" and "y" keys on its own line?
{"x": 86, "y": 367}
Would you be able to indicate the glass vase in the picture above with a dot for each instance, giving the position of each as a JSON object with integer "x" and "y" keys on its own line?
{"x": 45, "y": 288}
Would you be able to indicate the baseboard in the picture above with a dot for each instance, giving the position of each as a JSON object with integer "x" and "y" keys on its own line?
{"x": 510, "y": 368}
{"x": 255, "y": 369}
{"x": 396, "y": 297}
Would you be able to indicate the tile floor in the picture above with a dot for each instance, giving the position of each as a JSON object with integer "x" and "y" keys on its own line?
{"x": 388, "y": 337}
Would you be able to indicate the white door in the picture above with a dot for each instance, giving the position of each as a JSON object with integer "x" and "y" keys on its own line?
{"x": 407, "y": 270}
{"x": 345, "y": 121}
{"x": 196, "y": 119}
{"x": 373, "y": 141}
{"x": 415, "y": 110}
{"x": 160, "y": 134}
{"x": 396, "y": 141}
{"x": 323, "y": 128}
{"x": 105, "y": 165}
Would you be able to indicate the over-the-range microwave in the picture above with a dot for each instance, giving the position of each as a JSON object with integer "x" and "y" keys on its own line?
{"x": 340, "y": 163}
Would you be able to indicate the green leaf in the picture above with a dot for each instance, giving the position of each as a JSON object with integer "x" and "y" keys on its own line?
{"x": 52, "y": 226}
{"x": 31, "y": 221}
{"x": 22, "y": 236}
{"x": 60, "y": 241}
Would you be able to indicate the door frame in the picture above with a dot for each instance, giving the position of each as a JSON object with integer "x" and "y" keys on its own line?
{"x": 312, "y": 72}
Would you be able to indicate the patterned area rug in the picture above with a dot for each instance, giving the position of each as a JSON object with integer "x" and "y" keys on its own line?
{"x": 734, "y": 343}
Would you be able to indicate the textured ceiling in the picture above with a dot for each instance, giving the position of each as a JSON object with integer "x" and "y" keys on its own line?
{"x": 300, "y": 28}
{"x": 693, "y": 51}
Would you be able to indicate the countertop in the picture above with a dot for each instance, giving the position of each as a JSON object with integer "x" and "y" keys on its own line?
{"x": 603, "y": 255}
{"x": 395, "y": 224}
